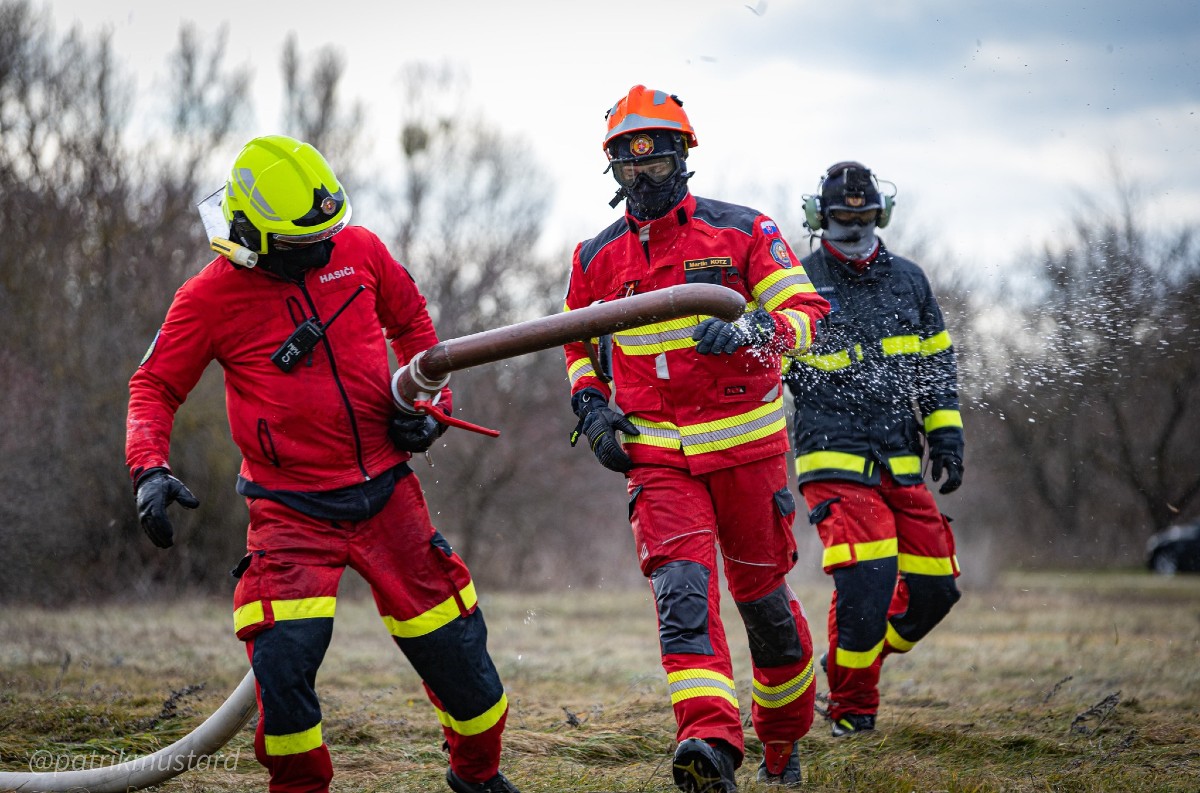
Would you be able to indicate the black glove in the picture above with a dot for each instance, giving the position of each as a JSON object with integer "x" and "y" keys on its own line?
{"x": 953, "y": 466}
{"x": 714, "y": 336}
{"x": 414, "y": 433}
{"x": 600, "y": 423}
{"x": 156, "y": 489}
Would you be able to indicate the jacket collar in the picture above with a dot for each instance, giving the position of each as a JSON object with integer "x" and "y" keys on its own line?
{"x": 667, "y": 225}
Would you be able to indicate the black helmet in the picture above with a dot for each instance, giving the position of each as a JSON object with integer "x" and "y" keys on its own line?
{"x": 850, "y": 186}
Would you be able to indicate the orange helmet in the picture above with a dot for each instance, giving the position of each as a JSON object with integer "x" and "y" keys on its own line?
{"x": 644, "y": 108}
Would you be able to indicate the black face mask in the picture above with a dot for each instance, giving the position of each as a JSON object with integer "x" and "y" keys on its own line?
{"x": 294, "y": 262}
{"x": 648, "y": 201}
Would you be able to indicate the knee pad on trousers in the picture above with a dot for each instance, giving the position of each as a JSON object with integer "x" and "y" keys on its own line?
{"x": 454, "y": 662}
{"x": 930, "y": 598}
{"x": 864, "y": 592}
{"x": 285, "y": 659}
{"x": 681, "y": 592}
{"x": 771, "y": 629}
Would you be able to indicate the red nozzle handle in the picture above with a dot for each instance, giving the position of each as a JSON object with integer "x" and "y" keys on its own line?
{"x": 426, "y": 407}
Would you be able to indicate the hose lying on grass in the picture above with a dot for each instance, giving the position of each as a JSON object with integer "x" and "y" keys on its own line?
{"x": 414, "y": 384}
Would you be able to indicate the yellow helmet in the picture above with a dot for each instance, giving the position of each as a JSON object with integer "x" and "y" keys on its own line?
{"x": 282, "y": 190}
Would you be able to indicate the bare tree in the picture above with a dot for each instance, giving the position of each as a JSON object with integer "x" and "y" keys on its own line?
{"x": 1093, "y": 386}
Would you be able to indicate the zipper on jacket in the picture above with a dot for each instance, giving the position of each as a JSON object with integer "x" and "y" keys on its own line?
{"x": 358, "y": 452}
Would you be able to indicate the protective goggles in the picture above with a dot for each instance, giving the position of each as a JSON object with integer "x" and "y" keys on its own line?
{"x": 852, "y": 217}
{"x": 658, "y": 170}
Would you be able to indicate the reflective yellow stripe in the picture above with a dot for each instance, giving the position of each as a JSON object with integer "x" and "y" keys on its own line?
{"x": 858, "y": 660}
{"x": 298, "y": 609}
{"x": 249, "y": 614}
{"x": 905, "y": 464}
{"x": 926, "y": 565}
{"x": 781, "y": 695}
{"x": 481, "y": 723}
{"x": 900, "y": 345}
{"x": 836, "y": 555}
{"x": 782, "y": 285}
{"x": 691, "y": 683}
{"x": 852, "y": 659}
{"x": 296, "y": 743}
{"x": 896, "y": 641}
{"x": 936, "y": 343}
{"x": 711, "y": 436}
{"x": 943, "y": 418}
{"x": 876, "y": 549}
{"x": 827, "y": 363}
{"x": 657, "y": 337}
{"x": 841, "y": 553}
{"x": 581, "y": 368}
{"x": 442, "y": 614}
{"x": 303, "y": 608}
{"x": 837, "y": 461}
{"x": 802, "y": 325}
{"x": 662, "y": 434}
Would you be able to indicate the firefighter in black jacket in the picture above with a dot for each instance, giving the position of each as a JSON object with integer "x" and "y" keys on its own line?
{"x": 877, "y": 387}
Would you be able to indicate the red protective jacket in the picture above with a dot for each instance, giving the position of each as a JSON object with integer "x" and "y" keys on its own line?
{"x": 699, "y": 412}
{"x": 321, "y": 426}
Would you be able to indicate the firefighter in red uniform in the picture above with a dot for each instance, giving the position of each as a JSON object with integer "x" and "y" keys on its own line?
{"x": 859, "y": 443}
{"x": 324, "y": 461}
{"x": 705, "y": 440}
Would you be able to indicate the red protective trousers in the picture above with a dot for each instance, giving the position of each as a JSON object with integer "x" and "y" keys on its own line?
{"x": 284, "y": 606}
{"x": 678, "y": 519}
{"x": 891, "y": 554}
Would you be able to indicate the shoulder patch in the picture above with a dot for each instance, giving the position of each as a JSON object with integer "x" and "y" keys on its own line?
{"x": 779, "y": 253}
{"x": 150, "y": 349}
{"x": 768, "y": 227}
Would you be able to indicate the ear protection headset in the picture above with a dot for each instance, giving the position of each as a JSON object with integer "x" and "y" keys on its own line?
{"x": 814, "y": 213}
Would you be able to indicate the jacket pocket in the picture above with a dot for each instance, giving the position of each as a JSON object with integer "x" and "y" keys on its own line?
{"x": 252, "y": 611}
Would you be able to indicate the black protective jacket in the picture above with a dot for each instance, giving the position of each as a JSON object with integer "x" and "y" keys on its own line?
{"x": 881, "y": 377}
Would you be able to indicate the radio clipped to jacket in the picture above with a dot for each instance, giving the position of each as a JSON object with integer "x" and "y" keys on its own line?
{"x": 305, "y": 337}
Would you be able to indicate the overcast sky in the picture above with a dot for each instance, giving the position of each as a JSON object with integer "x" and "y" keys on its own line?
{"x": 991, "y": 118}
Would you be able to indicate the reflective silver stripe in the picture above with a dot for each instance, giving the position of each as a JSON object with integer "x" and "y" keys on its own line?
{"x": 792, "y": 283}
{"x": 700, "y": 683}
{"x": 583, "y": 371}
{"x": 778, "y": 696}
{"x": 655, "y": 341}
{"x": 732, "y": 427}
{"x": 664, "y": 435}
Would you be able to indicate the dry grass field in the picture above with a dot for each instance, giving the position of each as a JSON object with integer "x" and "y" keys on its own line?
{"x": 1040, "y": 682}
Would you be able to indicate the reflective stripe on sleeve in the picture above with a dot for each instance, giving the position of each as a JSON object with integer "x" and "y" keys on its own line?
{"x": 943, "y": 418}
{"x": 780, "y": 286}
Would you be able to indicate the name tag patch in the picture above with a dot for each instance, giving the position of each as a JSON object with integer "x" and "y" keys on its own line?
{"x": 711, "y": 261}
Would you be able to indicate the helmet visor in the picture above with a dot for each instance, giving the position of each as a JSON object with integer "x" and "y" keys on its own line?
{"x": 286, "y": 241}
{"x": 657, "y": 170}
